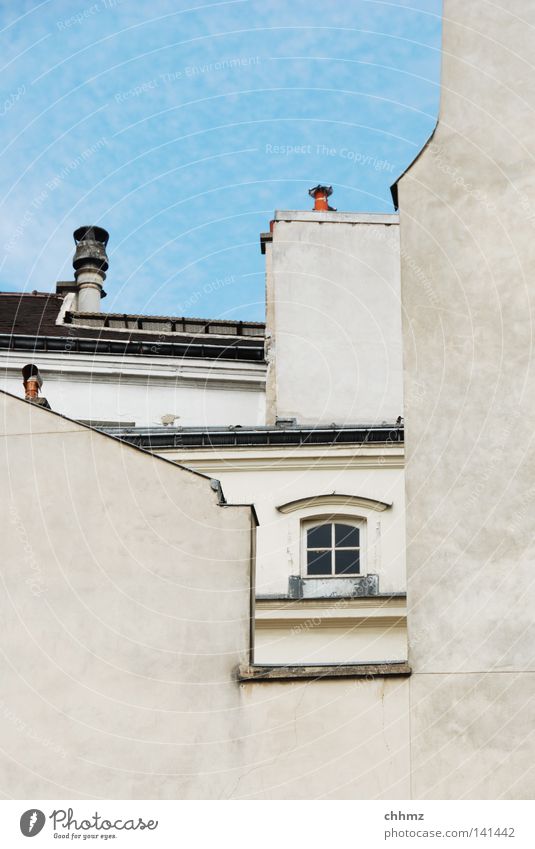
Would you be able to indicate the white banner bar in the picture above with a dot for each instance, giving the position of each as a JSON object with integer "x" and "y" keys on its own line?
{"x": 269, "y": 824}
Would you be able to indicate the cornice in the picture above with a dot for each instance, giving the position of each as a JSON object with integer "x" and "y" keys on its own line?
{"x": 140, "y": 372}
{"x": 323, "y": 461}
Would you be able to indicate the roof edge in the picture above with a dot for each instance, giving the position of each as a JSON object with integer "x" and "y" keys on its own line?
{"x": 394, "y": 186}
{"x": 215, "y": 485}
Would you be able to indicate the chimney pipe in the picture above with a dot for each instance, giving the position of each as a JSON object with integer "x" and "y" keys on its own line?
{"x": 32, "y": 382}
{"x": 320, "y": 195}
{"x": 90, "y": 265}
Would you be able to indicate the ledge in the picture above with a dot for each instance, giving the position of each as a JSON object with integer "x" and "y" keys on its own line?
{"x": 333, "y": 216}
{"x": 264, "y": 239}
{"x": 268, "y": 597}
{"x": 303, "y": 672}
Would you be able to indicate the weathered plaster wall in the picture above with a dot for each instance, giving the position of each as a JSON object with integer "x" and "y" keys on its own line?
{"x": 468, "y": 264}
{"x": 326, "y": 739}
{"x": 125, "y": 612}
{"x": 333, "y": 318}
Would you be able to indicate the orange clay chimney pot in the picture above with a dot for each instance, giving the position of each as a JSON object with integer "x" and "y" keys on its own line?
{"x": 321, "y": 195}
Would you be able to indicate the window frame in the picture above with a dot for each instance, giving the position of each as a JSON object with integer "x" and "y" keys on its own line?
{"x": 315, "y": 521}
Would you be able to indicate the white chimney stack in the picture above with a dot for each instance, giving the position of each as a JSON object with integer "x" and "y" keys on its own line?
{"x": 90, "y": 265}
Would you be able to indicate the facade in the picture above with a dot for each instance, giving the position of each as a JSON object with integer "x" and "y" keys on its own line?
{"x": 222, "y": 613}
{"x": 236, "y": 401}
{"x": 468, "y": 262}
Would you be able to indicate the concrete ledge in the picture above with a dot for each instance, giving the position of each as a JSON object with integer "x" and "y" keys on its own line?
{"x": 311, "y": 602}
{"x": 304, "y": 672}
{"x": 336, "y": 217}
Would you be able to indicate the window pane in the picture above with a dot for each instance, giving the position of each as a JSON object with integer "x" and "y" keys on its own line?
{"x": 319, "y": 563}
{"x": 319, "y": 537}
{"x": 347, "y": 563}
{"x": 346, "y": 535}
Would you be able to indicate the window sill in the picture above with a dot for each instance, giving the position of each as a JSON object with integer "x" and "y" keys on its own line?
{"x": 256, "y": 672}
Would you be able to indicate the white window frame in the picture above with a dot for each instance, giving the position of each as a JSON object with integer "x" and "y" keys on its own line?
{"x": 329, "y": 519}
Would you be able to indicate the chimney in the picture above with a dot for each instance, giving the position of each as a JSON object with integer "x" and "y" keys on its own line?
{"x": 320, "y": 195}
{"x": 90, "y": 265}
{"x": 32, "y": 382}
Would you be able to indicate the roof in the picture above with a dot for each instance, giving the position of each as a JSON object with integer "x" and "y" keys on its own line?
{"x": 29, "y": 322}
{"x": 34, "y": 313}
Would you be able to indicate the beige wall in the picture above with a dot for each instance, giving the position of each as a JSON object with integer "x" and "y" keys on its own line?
{"x": 370, "y": 630}
{"x": 125, "y": 612}
{"x": 124, "y": 608}
{"x": 333, "y": 318}
{"x": 468, "y": 264}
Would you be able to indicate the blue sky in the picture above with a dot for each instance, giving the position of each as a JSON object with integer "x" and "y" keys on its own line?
{"x": 181, "y": 126}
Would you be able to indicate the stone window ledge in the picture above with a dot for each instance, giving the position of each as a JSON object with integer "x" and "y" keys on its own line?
{"x": 306, "y": 672}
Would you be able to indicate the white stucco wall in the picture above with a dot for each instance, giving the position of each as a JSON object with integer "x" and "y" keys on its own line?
{"x": 272, "y": 477}
{"x": 202, "y": 393}
{"x": 333, "y": 318}
{"x": 125, "y": 612}
{"x": 468, "y": 264}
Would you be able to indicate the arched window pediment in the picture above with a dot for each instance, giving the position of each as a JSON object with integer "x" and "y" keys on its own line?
{"x": 334, "y": 500}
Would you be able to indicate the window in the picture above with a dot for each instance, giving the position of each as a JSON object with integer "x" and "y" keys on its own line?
{"x": 332, "y": 549}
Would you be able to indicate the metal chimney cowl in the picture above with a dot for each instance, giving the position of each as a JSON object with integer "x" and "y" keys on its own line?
{"x": 32, "y": 382}
{"x": 90, "y": 264}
